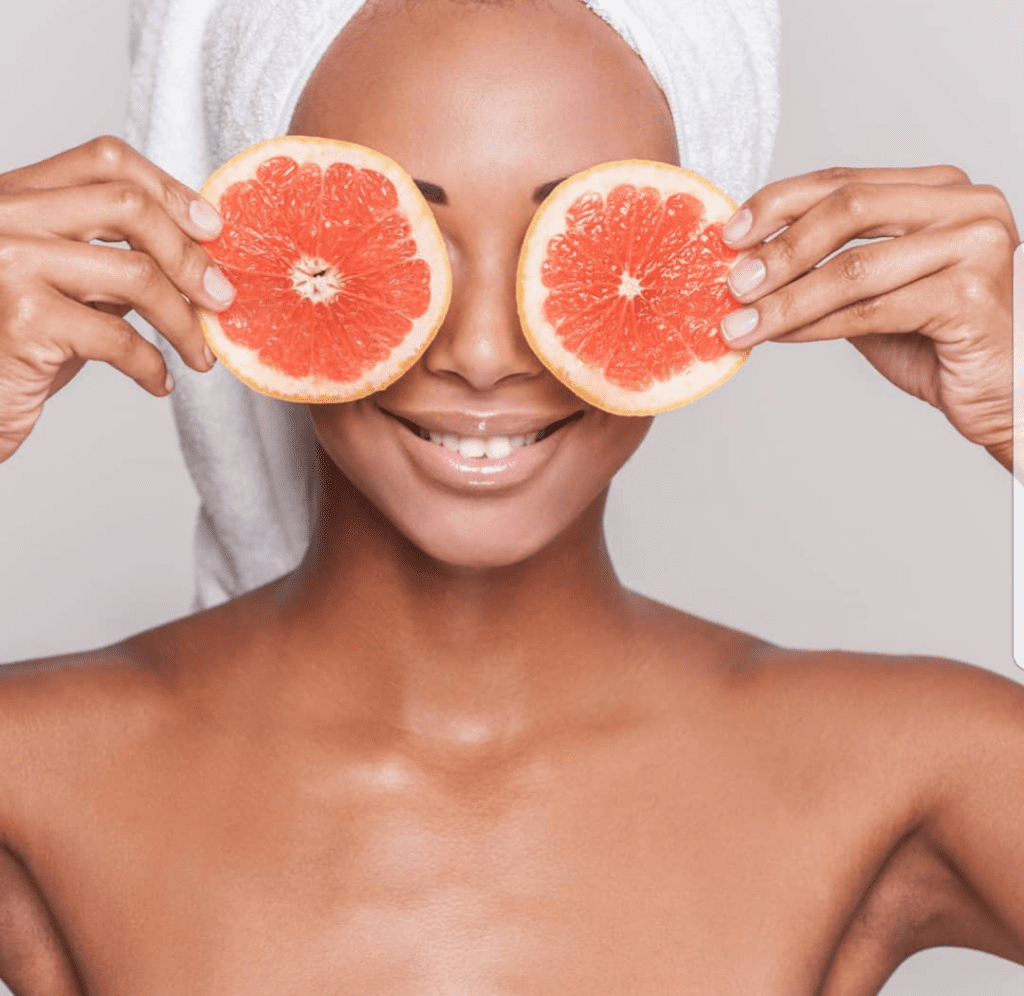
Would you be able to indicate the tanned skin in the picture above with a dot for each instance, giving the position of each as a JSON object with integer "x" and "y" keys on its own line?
{"x": 451, "y": 753}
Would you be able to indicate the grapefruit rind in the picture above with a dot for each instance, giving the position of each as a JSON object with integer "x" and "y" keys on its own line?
{"x": 548, "y": 222}
{"x": 245, "y": 363}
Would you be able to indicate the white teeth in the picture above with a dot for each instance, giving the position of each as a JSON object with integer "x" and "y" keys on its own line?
{"x": 474, "y": 447}
{"x": 497, "y": 447}
{"x": 471, "y": 447}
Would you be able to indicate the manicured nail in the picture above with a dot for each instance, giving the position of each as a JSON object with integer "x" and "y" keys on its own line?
{"x": 204, "y": 217}
{"x": 739, "y": 324}
{"x": 738, "y": 225}
{"x": 169, "y": 383}
{"x": 217, "y": 286}
{"x": 208, "y": 353}
{"x": 746, "y": 275}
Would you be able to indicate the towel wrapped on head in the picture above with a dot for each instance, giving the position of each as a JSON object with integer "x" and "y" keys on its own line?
{"x": 211, "y": 77}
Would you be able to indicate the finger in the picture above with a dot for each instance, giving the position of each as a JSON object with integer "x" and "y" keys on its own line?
{"x": 99, "y": 274}
{"x": 868, "y": 271}
{"x": 107, "y": 159}
{"x": 862, "y": 210}
{"x": 930, "y": 309}
{"x": 103, "y": 336}
{"x": 113, "y": 212}
{"x": 780, "y": 203}
{"x": 70, "y": 368}
{"x": 53, "y": 336}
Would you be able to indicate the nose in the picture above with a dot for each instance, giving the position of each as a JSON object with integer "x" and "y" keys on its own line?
{"x": 481, "y": 341}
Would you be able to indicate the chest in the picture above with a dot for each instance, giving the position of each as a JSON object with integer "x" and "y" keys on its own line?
{"x": 600, "y": 873}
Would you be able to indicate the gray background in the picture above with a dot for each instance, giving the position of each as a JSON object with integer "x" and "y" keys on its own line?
{"x": 807, "y": 501}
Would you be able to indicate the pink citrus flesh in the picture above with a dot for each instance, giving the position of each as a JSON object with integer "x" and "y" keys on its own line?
{"x": 340, "y": 270}
{"x": 621, "y": 286}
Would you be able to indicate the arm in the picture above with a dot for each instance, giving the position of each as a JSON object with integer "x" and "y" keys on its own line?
{"x": 975, "y": 820}
{"x": 33, "y": 961}
{"x": 33, "y": 957}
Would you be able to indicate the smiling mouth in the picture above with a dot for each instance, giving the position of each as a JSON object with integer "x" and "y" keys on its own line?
{"x": 481, "y": 447}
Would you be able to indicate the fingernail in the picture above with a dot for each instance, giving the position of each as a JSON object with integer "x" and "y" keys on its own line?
{"x": 169, "y": 383}
{"x": 738, "y": 225}
{"x": 746, "y": 275}
{"x": 208, "y": 353}
{"x": 204, "y": 217}
{"x": 217, "y": 286}
{"x": 739, "y": 324}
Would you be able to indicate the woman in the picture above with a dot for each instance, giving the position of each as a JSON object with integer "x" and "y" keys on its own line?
{"x": 450, "y": 752}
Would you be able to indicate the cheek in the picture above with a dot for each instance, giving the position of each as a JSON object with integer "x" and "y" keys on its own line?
{"x": 359, "y": 453}
{"x": 600, "y": 454}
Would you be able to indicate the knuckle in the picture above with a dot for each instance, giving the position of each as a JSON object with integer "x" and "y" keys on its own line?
{"x": 10, "y": 260}
{"x": 130, "y": 199}
{"x": 20, "y": 314}
{"x": 990, "y": 235}
{"x": 838, "y": 175}
{"x": 21, "y": 320}
{"x": 952, "y": 174}
{"x": 767, "y": 199}
{"x": 993, "y": 200}
{"x": 865, "y": 311}
{"x": 780, "y": 254}
{"x": 109, "y": 153}
{"x": 778, "y": 310}
{"x": 173, "y": 198}
{"x": 142, "y": 270}
{"x": 852, "y": 266}
{"x": 123, "y": 341}
{"x": 851, "y": 201}
{"x": 970, "y": 288}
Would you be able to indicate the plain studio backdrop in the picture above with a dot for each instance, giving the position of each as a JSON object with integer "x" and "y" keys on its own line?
{"x": 807, "y": 501}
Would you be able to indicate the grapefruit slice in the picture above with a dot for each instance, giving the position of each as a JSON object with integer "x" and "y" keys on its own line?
{"x": 341, "y": 273}
{"x": 621, "y": 286}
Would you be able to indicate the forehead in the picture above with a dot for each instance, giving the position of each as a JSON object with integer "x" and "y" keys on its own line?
{"x": 420, "y": 79}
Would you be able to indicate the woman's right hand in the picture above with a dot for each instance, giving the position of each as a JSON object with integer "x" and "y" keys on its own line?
{"x": 63, "y": 300}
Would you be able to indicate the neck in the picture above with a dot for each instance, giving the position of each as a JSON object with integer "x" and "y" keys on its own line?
{"x": 457, "y": 656}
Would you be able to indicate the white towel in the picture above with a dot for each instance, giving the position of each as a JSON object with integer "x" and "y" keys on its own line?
{"x": 212, "y": 77}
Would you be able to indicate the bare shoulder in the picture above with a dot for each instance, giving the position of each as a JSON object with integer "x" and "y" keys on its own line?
{"x": 934, "y": 710}
{"x": 64, "y": 717}
{"x": 65, "y": 722}
{"x": 938, "y": 747}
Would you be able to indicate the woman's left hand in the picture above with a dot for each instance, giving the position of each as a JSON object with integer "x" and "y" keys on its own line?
{"x": 930, "y": 307}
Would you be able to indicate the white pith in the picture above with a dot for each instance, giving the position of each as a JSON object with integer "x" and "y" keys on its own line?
{"x": 315, "y": 279}
{"x": 549, "y": 222}
{"x": 629, "y": 286}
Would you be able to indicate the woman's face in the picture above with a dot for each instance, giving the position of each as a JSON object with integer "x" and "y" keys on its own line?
{"x": 490, "y": 106}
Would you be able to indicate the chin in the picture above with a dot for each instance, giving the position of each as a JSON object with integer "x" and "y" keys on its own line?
{"x": 462, "y": 544}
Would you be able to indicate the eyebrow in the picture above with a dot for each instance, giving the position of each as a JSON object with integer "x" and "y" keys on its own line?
{"x": 435, "y": 194}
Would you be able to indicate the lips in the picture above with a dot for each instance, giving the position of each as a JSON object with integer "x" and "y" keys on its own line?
{"x": 493, "y": 452}
{"x": 467, "y": 423}
{"x": 495, "y": 436}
